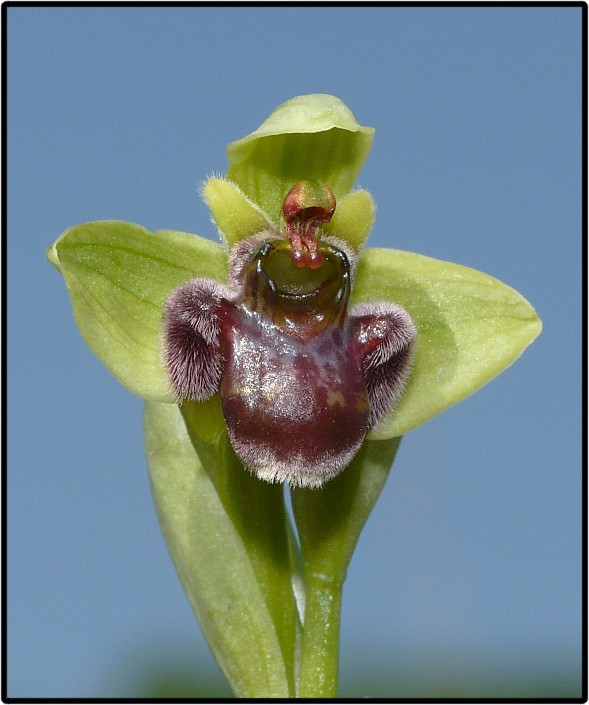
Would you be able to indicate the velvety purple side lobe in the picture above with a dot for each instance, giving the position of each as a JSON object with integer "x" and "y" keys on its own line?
{"x": 191, "y": 338}
{"x": 384, "y": 335}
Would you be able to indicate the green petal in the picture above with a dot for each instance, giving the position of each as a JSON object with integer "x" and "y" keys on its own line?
{"x": 470, "y": 328}
{"x": 234, "y": 214}
{"x": 353, "y": 218}
{"x": 309, "y": 137}
{"x": 118, "y": 277}
{"x": 211, "y": 560}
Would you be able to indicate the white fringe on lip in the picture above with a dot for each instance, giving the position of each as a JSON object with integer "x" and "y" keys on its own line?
{"x": 261, "y": 461}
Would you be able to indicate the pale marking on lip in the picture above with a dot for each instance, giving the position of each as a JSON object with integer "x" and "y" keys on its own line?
{"x": 334, "y": 398}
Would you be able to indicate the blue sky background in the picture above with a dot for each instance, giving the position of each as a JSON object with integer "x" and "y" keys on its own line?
{"x": 468, "y": 574}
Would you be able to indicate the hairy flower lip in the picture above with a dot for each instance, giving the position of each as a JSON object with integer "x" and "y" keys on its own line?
{"x": 301, "y": 378}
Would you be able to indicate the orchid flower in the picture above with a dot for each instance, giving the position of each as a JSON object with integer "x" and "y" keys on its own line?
{"x": 289, "y": 355}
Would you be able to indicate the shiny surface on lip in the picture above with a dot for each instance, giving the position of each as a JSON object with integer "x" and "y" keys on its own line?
{"x": 296, "y": 281}
{"x": 302, "y": 302}
{"x": 295, "y": 409}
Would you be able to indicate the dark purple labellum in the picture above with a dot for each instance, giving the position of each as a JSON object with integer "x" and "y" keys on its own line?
{"x": 302, "y": 378}
{"x": 293, "y": 390}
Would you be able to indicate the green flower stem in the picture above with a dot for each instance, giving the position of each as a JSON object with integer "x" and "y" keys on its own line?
{"x": 329, "y": 522}
{"x": 320, "y": 651}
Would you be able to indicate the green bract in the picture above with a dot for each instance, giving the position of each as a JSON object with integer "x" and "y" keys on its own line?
{"x": 212, "y": 560}
{"x": 269, "y": 609}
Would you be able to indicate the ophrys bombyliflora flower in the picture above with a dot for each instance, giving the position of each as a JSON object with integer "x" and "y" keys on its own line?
{"x": 302, "y": 376}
